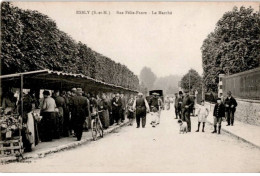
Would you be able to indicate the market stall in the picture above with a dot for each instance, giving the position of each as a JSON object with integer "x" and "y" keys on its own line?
{"x": 38, "y": 80}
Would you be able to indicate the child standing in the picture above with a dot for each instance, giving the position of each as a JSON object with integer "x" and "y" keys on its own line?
{"x": 203, "y": 113}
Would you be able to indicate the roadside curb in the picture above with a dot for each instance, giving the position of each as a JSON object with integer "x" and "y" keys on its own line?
{"x": 75, "y": 144}
{"x": 238, "y": 137}
{"x": 233, "y": 134}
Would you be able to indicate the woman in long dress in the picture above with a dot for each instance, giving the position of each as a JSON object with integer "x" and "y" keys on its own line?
{"x": 104, "y": 115}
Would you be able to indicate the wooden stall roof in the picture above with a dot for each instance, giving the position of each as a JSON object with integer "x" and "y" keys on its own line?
{"x": 48, "y": 79}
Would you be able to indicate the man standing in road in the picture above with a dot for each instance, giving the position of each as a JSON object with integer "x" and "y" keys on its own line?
{"x": 230, "y": 108}
{"x": 187, "y": 104}
{"x": 142, "y": 107}
{"x": 176, "y": 105}
{"x": 180, "y": 100}
{"x": 79, "y": 112}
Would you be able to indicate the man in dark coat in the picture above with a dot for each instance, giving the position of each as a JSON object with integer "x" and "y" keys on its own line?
{"x": 218, "y": 113}
{"x": 79, "y": 112}
{"x": 176, "y": 105}
{"x": 116, "y": 108}
{"x": 142, "y": 107}
{"x": 230, "y": 108}
{"x": 180, "y": 100}
{"x": 186, "y": 107}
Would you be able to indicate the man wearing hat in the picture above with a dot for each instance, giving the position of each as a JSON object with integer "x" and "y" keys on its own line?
{"x": 73, "y": 94}
{"x": 186, "y": 106}
{"x": 176, "y": 105}
{"x": 155, "y": 106}
{"x": 230, "y": 108}
{"x": 142, "y": 107}
{"x": 180, "y": 100}
{"x": 79, "y": 112}
{"x": 218, "y": 114}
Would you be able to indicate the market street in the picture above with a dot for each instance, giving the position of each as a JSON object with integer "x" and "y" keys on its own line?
{"x": 160, "y": 149}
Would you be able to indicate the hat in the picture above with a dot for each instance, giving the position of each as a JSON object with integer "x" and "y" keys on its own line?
{"x": 218, "y": 98}
{"x": 229, "y": 93}
{"x": 155, "y": 93}
{"x": 179, "y": 121}
{"x": 73, "y": 90}
{"x": 140, "y": 93}
{"x": 79, "y": 90}
{"x": 186, "y": 91}
{"x": 46, "y": 92}
{"x": 180, "y": 92}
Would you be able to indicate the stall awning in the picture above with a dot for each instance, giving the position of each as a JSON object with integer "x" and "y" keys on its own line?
{"x": 48, "y": 79}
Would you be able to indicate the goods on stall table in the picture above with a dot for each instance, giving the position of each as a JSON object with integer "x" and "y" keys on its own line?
{"x": 10, "y": 138}
{"x": 11, "y": 147}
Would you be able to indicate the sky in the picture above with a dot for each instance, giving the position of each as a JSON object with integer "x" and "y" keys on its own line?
{"x": 168, "y": 44}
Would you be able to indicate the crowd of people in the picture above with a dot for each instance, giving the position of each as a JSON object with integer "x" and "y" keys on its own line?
{"x": 69, "y": 113}
{"x": 224, "y": 109}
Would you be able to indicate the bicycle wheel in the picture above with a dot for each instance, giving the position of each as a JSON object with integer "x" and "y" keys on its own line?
{"x": 100, "y": 130}
{"x": 94, "y": 129}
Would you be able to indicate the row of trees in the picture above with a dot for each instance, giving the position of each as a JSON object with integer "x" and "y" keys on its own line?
{"x": 149, "y": 81}
{"x": 232, "y": 47}
{"x": 32, "y": 41}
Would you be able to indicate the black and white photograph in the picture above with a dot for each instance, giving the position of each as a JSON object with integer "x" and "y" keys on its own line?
{"x": 130, "y": 87}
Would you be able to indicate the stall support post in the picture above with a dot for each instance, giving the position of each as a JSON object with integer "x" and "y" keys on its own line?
{"x": 21, "y": 96}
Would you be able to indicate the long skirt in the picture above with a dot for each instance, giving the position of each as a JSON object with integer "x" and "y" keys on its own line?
{"x": 48, "y": 126}
{"x": 104, "y": 117}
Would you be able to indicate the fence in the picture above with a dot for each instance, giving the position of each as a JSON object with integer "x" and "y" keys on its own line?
{"x": 244, "y": 85}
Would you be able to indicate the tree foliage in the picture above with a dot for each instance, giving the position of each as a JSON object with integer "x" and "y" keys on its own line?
{"x": 233, "y": 46}
{"x": 147, "y": 77}
{"x": 192, "y": 80}
{"x": 32, "y": 41}
{"x": 169, "y": 84}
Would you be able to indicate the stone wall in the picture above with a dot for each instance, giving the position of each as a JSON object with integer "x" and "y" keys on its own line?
{"x": 248, "y": 111}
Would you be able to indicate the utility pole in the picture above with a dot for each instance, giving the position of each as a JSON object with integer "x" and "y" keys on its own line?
{"x": 189, "y": 82}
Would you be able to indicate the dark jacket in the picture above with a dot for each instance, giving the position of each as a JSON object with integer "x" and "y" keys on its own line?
{"x": 103, "y": 105}
{"x": 219, "y": 110}
{"x": 228, "y": 103}
{"x": 180, "y": 100}
{"x": 140, "y": 107}
{"x": 79, "y": 108}
{"x": 118, "y": 103}
{"x": 187, "y": 101}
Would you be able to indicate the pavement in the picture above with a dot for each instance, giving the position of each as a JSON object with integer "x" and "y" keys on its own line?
{"x": 245, "y": 132}
{"x": 159, "y": 149}
{"x": 57, "y": 145}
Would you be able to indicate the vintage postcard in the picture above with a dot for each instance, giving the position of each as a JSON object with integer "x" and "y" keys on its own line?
{"x": 139, "y": 87}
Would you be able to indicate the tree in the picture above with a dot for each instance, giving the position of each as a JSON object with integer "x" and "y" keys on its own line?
{"x": 143, "y": 88}
{"x": 232, "y": 47}
{"x": 169, "y": 84}
{"x": 147, "y": 77}
{"x": 31, "y": 41}
{"x": 191, "y": 81}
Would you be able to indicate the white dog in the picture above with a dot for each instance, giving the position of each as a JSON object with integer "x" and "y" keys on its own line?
{"x": 183, "y": 126}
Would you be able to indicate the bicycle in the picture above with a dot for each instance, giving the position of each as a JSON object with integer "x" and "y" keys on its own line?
{"x": 96, "y": 126}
